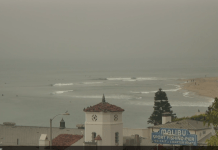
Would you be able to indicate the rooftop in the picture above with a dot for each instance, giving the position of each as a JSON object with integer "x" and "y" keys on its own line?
{"x": 203, "y": 140}
{"x": 103, "y": 107}
{"x": 66, "y": 140}
{"x": 183, "y": 124}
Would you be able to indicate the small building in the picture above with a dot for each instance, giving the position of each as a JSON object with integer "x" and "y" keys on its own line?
{"x": 194, "y": 127}
{"x": 14, "y": 135}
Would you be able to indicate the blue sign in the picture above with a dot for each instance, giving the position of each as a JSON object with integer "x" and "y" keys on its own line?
{"x": 174, "y": 137}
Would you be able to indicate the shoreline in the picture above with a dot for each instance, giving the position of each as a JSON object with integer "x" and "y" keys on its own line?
{"x": 207, "y": 86}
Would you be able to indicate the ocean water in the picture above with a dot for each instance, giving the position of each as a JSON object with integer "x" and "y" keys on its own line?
{"x": 35, "y": 91}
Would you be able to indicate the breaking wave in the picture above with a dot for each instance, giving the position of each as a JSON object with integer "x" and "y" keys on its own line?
{"x": 134, "y": 79}
{"x": 178, "y": 87}
{"x": 211, "y": 100}
{"x": 147, "y": 92}
{"x": 62, "y": 84}
{"x": 187, "y": 94}
{"x": 61, "y": 92}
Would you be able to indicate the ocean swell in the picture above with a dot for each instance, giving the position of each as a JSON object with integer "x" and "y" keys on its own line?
{"x": 92, "y": 82}
{"x": 62, "y": 84}
{"x": 125, "y": 97}
{"x": 186, "y": 104}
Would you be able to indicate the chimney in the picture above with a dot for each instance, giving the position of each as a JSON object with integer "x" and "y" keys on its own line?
{"x": 62, "y": 124}
{"x": 137, "y": 141}
{"x": 43, "y": 142}
{"x": 166, "y": 117}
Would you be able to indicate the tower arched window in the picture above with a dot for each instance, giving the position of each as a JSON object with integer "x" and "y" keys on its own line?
{"x": 94, "y": 135}
{"x": 116, "y": 137}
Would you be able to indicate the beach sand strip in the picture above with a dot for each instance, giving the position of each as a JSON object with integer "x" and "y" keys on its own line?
{"x": 202, "y": 86}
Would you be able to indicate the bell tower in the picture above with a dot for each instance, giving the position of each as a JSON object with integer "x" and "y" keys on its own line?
{"x": 104, "y": 124}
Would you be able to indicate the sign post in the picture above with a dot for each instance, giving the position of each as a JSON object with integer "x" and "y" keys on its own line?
{"x": 174, "y": 137}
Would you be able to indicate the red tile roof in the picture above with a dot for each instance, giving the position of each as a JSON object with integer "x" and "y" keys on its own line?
{"x": 103, "y": 107}
{"x": 65, "y": 140}
{"x": 98, "y": 138}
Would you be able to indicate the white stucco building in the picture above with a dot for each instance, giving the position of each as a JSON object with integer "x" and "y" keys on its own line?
{"x": 104, "y": 124}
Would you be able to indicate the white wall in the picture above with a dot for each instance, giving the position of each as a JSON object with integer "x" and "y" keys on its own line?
{"x": 166, "y": 119}
{"x": 105, "y": 126}
{"x": 78, "y": 143}
{"x": 200, "y": 133}
{"x": 150, "y": 132}
{"x": 103, "y": 117}
{"x": 140, "y": 132}
{"x": 44, "y": 142}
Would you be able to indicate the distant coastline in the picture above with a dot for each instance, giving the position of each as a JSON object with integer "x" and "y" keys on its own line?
{"x": 207, "y": 86}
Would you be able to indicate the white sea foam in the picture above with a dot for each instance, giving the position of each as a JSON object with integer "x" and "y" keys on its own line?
{"x": 148, "y": 92}
{"x": 187, "y": 94}
{"x": 172, "y": 90}
{"x": 135, "y": 79}
{"x": 61, "y": 92}
{"x": 62, "y": 84}
{"x": 211, "y": 100}
{"x": 130, "y": 80}
{"x": 145, "y": 92}
{"x": 122, "y": 79}
{"x": 149, "y": 78}
{"x": 178, "y": 86}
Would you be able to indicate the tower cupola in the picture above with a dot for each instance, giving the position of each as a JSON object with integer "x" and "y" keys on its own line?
{"x": 62, "y": 124}
{"x": 103, "y": 99}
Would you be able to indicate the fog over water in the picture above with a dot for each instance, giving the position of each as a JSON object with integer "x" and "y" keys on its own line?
{"x": 56, "y": 56}
{"x": 125, "y": 29}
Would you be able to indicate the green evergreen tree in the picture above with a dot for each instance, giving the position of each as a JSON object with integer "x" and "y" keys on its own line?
{"x": 161, "y": 105}
{"x": 212, "y": 118}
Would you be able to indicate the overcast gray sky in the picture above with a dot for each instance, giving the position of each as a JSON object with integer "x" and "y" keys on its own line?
{"x": 108, "y": 29}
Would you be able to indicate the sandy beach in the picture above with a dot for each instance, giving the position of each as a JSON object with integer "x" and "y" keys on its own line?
{"x": 203, "y": 86}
